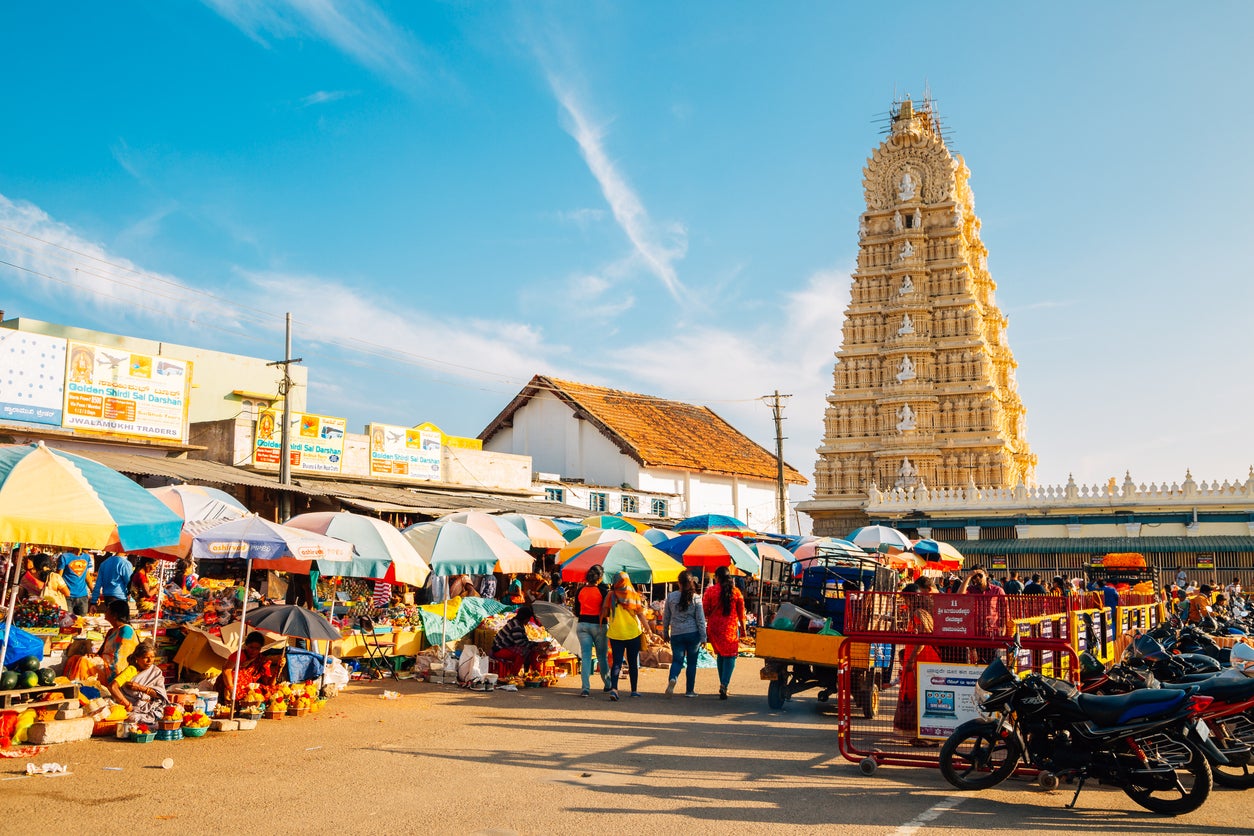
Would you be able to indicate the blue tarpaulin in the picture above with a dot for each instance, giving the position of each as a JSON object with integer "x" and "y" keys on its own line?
{"x": 21, "y": 645}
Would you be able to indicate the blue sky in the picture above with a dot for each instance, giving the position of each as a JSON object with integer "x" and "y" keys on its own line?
{"x": 451, "y": 197}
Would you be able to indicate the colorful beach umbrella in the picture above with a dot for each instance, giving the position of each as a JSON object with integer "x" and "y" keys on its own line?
{"x": 491, "y": 524}
{"x": 570, "y": 528}
{"x": 643, "y": 564}
{"x": 595, "y": 536}
{"x": 271, "y": 546}
{"x": 380, "y": 550}
{"x": 658, "y": 535}
{"x": 614, "y": 521}
{"x": 772, "y": 552}
{"x": 829, "y": 546}
{"x": 707, "y": 552}
{"x": 451, "y": 548}
{"x": 713, "y": 524}
{"x": 541, "y": 531}
{"x": 880, "y": 538}
{"x": 200, "y": 508}
{"x": 936, "y": 551}
{"x": 59, "y": 499}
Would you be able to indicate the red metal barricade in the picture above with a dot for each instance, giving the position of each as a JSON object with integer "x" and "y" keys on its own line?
{"x": 950, "y": 638}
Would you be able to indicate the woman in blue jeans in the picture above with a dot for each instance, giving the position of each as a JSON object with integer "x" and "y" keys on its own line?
{"x": 683, "y": 622}
{"x": 588, "y": 603}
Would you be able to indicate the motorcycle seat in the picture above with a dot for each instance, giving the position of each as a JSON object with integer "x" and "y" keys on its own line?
{"x": 1118, "y": 709}
{"x": 1222, "y": 686}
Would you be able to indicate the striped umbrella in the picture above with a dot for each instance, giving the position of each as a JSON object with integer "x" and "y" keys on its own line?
{"x": 642, "y": 563}
{"x": 614, "y": 521}
{"x": 60, "y": 499}
{"x": 200, "y": 508}
{"x": 451, "y": 548}
{"x": 713, "y": 524}
{"x": 540, "y": 531}
{"x": 570, "y": 528}
{"x": 935, "y": 551}
{"x": 880, "y": 538}
{"x": 709, "y": 551}
{"x": 827, "y": 545}
{"x": 595, "y": 536}
{"x": 381, "y": 552}
{"x": 490, "y": 524}
{"x": 658, "y": 535}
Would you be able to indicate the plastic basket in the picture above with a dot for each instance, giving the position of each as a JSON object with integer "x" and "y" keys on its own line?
{"x": 200, "y": 732}
{"x": 148, "y": 737}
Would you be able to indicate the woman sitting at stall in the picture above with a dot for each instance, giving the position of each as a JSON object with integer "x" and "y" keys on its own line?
{"x": 516, "y": 648}
{"x": 119, "y": 642}
{"x": 143, "y": 584}
{"x": 140, "y": 687}
{"x": 253, "y": 667}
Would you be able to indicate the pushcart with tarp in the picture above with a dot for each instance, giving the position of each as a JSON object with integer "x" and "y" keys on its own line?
{"x": 796, "y": 658}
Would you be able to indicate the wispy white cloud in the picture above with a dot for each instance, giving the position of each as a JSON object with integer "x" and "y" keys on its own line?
{"x": 658, "y": 247}
{"x": 53, "y": 259}
{"x": 582, "y": 218}
{"x": 324, "y": 97}
{"x": 357, "y": 28}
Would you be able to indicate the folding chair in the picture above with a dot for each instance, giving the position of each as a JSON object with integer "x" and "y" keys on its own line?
{"x": 378, "y": 648}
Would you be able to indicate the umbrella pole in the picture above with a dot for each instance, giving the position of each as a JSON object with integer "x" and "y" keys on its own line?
{"x": 239, "y": 651}
{"x": 156, "y": 617}
{"x": 17, "y": 560}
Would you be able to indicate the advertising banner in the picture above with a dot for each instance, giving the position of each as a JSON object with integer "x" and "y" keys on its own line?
{"x": 114, "y": 391}
{"x": 404, "y": 451}
{"x": 317, "y": 442}
{"x": 451, "y": 440}
{"x": 945, "y": 697}
{"x": 32, "y": 388}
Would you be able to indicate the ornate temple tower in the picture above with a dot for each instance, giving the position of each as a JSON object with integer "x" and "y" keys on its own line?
{"x": 925, "y": 392}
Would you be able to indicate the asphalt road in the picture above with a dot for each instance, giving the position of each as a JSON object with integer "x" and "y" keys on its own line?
{"x": 445, "y": 760}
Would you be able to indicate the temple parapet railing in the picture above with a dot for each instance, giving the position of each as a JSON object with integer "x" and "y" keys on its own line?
{"x": 1071, "y": 495}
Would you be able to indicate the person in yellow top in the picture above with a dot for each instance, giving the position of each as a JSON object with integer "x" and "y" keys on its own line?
{"x": 1199, "y": 604}
{"x": 140, "y": 687}
{"x": 622, "y": 612}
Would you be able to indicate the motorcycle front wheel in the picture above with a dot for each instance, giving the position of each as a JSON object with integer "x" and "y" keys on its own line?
{"x": 1178, "y": 778}
{"x": 976, "y": 756}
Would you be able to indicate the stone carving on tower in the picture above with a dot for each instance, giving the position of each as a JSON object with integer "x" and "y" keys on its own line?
{"x": 924, "y": 392}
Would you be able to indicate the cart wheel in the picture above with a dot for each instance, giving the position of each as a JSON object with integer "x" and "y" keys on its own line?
{"x": 776, "y": 694}
{"x": 1047, "y": 781}
{"x": 867, "y": 766}
{"x": 870, "y": 700}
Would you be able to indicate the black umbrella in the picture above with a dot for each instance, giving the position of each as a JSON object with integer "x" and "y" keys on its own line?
{"x": 560, "y": 622}
{"x": 290, "y": 620}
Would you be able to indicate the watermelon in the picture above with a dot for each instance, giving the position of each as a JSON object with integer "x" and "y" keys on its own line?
{"x": 8, "y": 681}
{"x": 29, "y": 679}
{"x": 30, "y": 663}
{"x": 47, "y": 676}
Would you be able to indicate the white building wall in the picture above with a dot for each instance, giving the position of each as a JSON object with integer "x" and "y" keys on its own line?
{"x": 546, "y": 430}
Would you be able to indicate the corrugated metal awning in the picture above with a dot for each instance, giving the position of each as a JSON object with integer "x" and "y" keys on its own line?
{"x": 192, "y": 470}
{"x": 1108, "y": 545}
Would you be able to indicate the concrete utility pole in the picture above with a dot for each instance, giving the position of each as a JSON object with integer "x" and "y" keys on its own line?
{"x": 781, "y": 490}
{"x": 285, "y": 438}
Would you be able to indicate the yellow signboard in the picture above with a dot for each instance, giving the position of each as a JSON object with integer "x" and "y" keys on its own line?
{"x": 451, "y": 440}
{"x": 401, "y": 451}
{"x": 118, "y": 392}
{"x": 316, "y": 441}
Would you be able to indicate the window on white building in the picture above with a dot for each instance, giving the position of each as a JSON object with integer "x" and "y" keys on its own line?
{"x": 598, "y": 501}
{"x": 631, "y": 504}
{"x": 657, "y": 507}
{"x": 555, "y": 494}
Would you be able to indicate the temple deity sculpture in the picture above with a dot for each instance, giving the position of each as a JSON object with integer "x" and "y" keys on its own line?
{"x": 907, "y": 188}
{"x": 907, "y": 285}
{"x": 907, "y": 326}
{"x": 905, "y": 418}
{"x": 897, "y": 222}
{"x": 905, "y": 371}
{"x": 861, "y": 227}
{"x": 918, "y": 219}
{"x": 907, "y": 250}
{"x": 907, "y": 475}
{"x": 958, "y": 214}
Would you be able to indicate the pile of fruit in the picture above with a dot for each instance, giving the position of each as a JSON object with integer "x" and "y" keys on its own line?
{"x": 172, "y": 714}
{"x": 37, "y": 614}
{"x": 26, "y": 673}
{"x": 195, "y": 720}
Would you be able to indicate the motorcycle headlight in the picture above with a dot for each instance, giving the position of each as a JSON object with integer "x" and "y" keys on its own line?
{"x": 980, "y": 695}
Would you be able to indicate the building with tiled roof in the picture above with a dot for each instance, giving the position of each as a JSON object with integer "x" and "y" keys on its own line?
{"x": 682, "y": 458}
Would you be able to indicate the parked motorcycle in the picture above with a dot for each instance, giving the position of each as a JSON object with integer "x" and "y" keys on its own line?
{"x": 1150, "y": 743}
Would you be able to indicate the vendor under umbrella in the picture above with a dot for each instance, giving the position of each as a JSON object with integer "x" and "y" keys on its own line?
{"x": 513, "y": 645}
{"x": 140, "y": 687}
